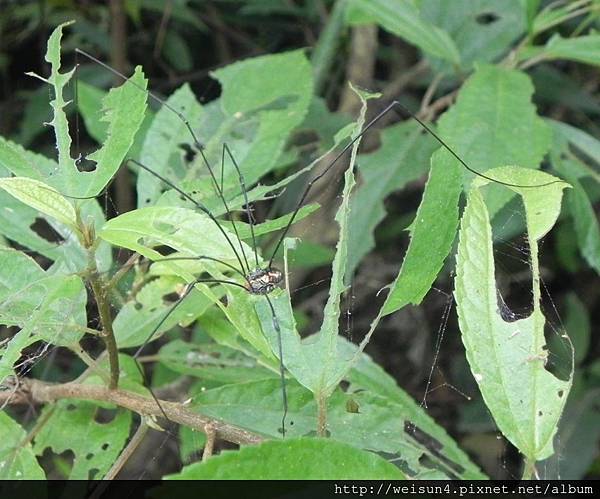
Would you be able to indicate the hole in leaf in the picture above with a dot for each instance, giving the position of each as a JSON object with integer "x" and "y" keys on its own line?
{"x": 561, "y": 393}
{"x": 89, "y": 456}
{"x": 43, "y": 229}
{"x": 105, "y": 446}
{"x": 71, "y": 407}
{"x": 137, "y": 305}
{"x": 84, "y": 164}
{"x": 164, "y": 250}
{"x": 487, "y": 18}
{"x": 171, "y": 298}
{"x": 93, "y": 473}
{"x": 105, "y": 416}
{"x": 513, "y": 272}
{"x": 189, "y": 154}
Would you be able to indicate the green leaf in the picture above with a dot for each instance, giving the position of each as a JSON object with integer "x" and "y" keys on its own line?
{"x": 493, "y": 111}
{"x": 483, "y": 30}
{"x": 89, "y": 105}
{"x": 577, "y": 448}
{"x": 161, "y": 145}
{"x": 297, "y": 459}
{"x": 213, "y": 363}
{"x": 46, "y": 307}
{"x": 585, "y": 49}
{"x": 184, "y": 230}
{"x": 552, "y": 15}
{"x": 432, "y": 234}
{"x": 584, "y": 142}
{"x": 17, "y": 219}
{"x": 507, "y": 359}
{"x": 266, "y": 109}
{"x": 582, "y": 211}
{"x": 403, "y": 157}
{"x": 317, "y": 365}
{"x": 367, "y": 375}
{"x": 17, "y": 460}
{"x": 402, "y": 18}
{"x": 41, "y": 197}
{"x": 137, "y": 320}
{"x": 72, "y": 427}
{"x": 379, "y": 425}
{"x": 24, "y": 163}
{"x": 123, "y": 111}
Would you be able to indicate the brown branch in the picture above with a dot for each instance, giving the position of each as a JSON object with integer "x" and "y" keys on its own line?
{"x": 39, "y": 392}
{"x": 209, "y": 430}
{"x": 361, "y": 66}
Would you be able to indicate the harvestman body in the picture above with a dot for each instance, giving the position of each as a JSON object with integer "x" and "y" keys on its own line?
{"x": 260, "y": 281}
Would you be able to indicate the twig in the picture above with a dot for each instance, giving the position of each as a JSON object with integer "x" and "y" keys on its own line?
{"x": 133, "y": 444}
{"x": 209, "y": 430}
{"x": 41, "y": 392}
{"x": 100, "y": 295}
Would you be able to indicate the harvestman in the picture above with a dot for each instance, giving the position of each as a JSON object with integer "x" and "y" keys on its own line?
{"x": 258, "y": 280}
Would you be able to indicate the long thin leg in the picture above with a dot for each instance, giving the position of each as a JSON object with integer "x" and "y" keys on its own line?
{"x": 281, "y": 365}
{"x": 187, "y": 124}
{"x": 220, "y": 193}
{"x": 242, "y": 183}
{"x": 393, "y": 105}
{"x": 198, "y": 205}
{"x": 160, "y": 323}
{"x": 203, "y": 257}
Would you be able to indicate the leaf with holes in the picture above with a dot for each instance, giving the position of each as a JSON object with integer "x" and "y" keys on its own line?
{"x": 483, "y": 30}
{"x": 124, "y": 110}
{"x": 72, "y": 426}
{"x": 379, "y": 424}
{"x": 508, "y": 359}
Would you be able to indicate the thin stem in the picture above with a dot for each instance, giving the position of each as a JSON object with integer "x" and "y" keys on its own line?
{"x": 114, "y": 280}
{"x": 321, "y": 415}
{"x": 528, "y": 469}
{"x": 211, "y": 436}
{"x": 100, "y": 291}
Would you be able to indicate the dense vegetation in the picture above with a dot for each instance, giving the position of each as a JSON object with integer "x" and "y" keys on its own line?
{"x": 117, "y": 208}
